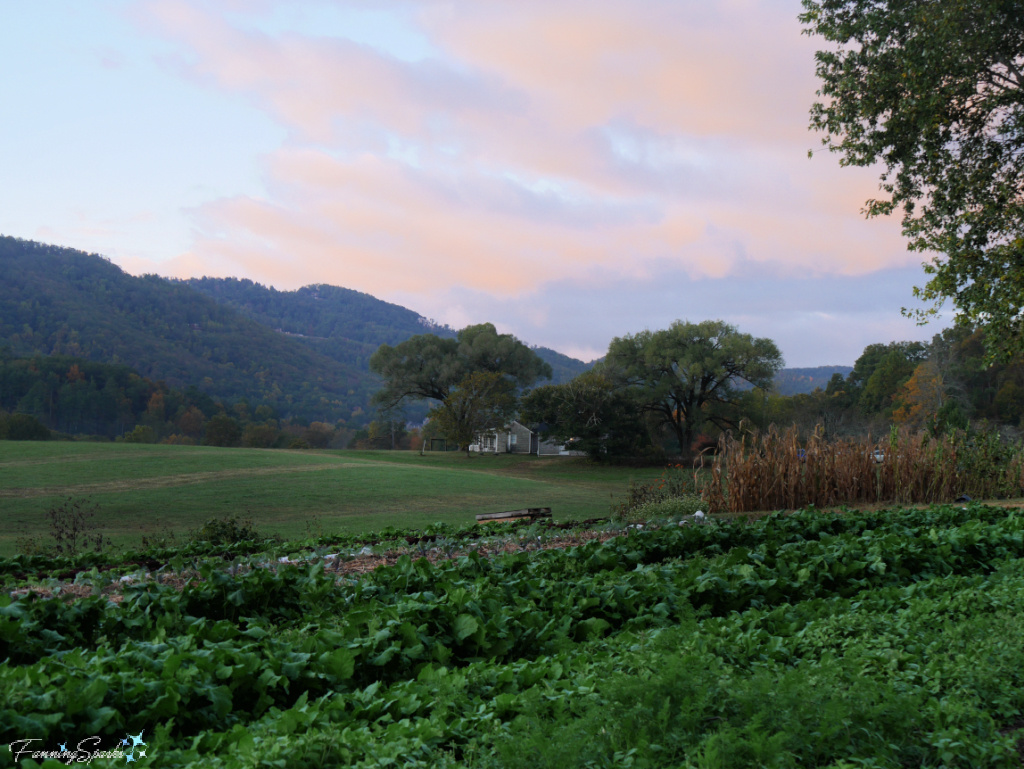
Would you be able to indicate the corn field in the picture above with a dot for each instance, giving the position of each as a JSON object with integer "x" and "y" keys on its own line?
{"x": 775, "y": 470}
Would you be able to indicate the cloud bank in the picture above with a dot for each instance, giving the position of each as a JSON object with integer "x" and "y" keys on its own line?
{"x": 572, "y": 171}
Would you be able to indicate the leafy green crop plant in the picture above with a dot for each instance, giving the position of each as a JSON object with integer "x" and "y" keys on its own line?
{"x": 802, "y": 639}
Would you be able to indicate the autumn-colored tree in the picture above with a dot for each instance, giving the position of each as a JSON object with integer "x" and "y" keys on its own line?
{"x": 191, "y": 422}
{"x": 319, "y": 435}
{"x": 921, "y": 396}
{"x": 156, "y": 408}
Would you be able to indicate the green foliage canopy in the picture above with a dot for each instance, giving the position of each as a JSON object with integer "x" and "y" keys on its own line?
{"x": 22, "y": 427}
{"x": 483, "y": 400}
{"x": 222, "y": 430}
{"x": 935, "y": 93}
{"x": 882, "y": 369}
{"x": 428, "y": 366}
{"x": 687, "y": 374}
{"x": 592, "y": 412}
{"x": 474, "y": 376}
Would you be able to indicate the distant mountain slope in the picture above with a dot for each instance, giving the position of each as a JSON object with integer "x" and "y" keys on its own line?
{"x": 344, "y": 324}
{"x": 791, "y": 381}
{"x": 563, "y": 368}
{"x": 61, "y": 301}
{"x": 305, "y": 352}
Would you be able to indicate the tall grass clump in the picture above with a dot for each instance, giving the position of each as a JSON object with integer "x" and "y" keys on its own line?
{"x": 775, "y": 470}
{"x": 673, "y": 493}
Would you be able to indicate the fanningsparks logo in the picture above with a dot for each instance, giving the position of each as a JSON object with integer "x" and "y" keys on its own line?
{"x": 131, "y": 748}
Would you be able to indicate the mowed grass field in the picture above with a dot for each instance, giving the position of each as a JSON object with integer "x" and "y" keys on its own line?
{"x": 145, "y": 490}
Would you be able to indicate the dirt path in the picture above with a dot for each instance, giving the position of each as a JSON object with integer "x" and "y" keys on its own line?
{"x": 350, "y": 566}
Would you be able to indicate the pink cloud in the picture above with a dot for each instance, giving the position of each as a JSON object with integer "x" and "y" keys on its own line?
{"x": 319, "y": 85}
{"x": 717, "y": 68}
{"x": 548, "y": 140}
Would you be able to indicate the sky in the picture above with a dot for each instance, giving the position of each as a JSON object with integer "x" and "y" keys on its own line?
{"x": 569, "y": 170}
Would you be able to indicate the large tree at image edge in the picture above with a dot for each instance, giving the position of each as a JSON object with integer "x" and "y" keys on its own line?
{"x": 934, "y": 92}
{"x": 687, "y": 373}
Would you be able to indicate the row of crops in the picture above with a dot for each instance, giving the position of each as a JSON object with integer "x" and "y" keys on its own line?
{"x": 809, "y": 639}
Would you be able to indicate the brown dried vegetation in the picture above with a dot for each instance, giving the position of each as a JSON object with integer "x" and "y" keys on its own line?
{"x": 776, "y": 470}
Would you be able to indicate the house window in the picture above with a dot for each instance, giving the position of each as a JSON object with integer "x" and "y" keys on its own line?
{"x": 512, "y": 439}
{"x": 490, "y": 442}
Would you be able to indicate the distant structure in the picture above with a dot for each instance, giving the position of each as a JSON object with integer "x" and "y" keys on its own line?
{"x": 519, "y": 439}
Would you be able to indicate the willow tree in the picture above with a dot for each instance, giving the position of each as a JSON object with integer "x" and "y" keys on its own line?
{"x": 692, "y": 373}
{"x": 428, "y": 367}
{"x": 482, "y": 401}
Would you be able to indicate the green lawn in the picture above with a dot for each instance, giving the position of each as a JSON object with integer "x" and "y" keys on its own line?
{"x": 143, "y": 489}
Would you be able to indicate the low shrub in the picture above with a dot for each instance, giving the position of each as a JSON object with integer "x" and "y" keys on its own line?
{"x": 673, "y": 507}
{"x": 23, "y": 427}
{"x": 178, "y": 440}
{"x": 260, "y": 436}
{"x": 32, "y": 545}
{"x": 162, "y": 537}
{"x": 72, "y": 529}
{"x": 141, "y": 434}
{"x": 676, "y": 482}
{"x": 225, "y": 531}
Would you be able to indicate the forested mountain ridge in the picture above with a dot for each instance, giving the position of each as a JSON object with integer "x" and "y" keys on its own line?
{"x": 59, "y": 301}
{"x": 303, "y": 352}
{"x": 344, "y": 324}
{"x": 792, "y": 381}
{"x": 801, "y": 381}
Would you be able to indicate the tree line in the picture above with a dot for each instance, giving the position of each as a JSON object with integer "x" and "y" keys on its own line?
{"x": 673, "y": 391}
{"x": 655, "y": 393}
{"x": 59, "y": 394}
{"x": 651, "y": 389}
{"x": 949, "y": 383}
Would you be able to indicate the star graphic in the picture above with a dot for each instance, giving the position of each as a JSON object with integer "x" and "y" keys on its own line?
{"x": 137, "y": 740}
{"x": 124, "y": 741}
{"x": 63, "y": 747}
{"x": 142, "y": 753}
{"x": 129, "y": 757}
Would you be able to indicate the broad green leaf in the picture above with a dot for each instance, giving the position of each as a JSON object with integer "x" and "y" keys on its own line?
{"x": 465, "y": 625}
{"x": 340, "y": 663}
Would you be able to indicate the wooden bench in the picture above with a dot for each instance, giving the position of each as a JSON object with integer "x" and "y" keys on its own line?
{"x": 525, "y": 514}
